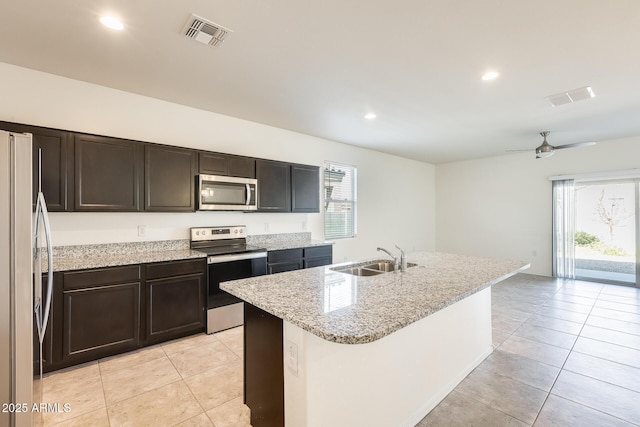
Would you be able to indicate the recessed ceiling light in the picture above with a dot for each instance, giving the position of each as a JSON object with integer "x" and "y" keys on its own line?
{"x": 491, "y": 75}
{"x": 112, "y": 22}
{"x": 370, "y": 116}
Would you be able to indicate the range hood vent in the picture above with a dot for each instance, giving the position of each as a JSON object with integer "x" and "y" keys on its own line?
{"x": 204, "y": 31}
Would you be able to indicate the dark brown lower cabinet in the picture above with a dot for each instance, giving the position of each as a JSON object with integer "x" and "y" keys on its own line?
{"x": 101, "y": 313}
{"x": 263, "y": 367}
{"x": 105, "y": 311}
{"x": 317, "y": 256}
{"x": 282, "y": 260}
{"x": 175, "y": 299}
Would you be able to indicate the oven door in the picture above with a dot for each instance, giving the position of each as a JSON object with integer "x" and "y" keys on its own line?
{"x": 231, "y": 267}
{"x": 227, "y": 193}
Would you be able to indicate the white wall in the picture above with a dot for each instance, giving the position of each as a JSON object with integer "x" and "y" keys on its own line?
{"x": 386, "y": 216}
{"x": 501, "y": 206}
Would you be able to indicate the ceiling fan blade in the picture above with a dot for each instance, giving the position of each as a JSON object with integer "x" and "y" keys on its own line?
{"x": 577, "y": 144}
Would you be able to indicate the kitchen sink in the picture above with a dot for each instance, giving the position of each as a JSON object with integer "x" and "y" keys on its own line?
{"x": 371, "y": 269}
{"x": 384, "y": 266}
{"x": 358, "y": 271}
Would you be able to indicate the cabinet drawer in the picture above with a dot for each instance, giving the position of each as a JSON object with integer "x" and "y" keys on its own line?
{"x": 176, "y": 268}
{"x": 285, "y": 255}
{"x": 102, "y": 276}
{"x": 318, "y": 251}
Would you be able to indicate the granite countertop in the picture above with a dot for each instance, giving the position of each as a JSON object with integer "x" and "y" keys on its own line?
{"x": 62, "y": 263}
{"x": 274, "y": 242}
{"x": 80, "y": 257}
{"x": 274, "y": 246}
{"x": 349, "y": 309}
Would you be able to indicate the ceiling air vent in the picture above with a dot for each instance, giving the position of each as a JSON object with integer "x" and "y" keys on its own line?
{"x": 203, "y": 31}
{"x": 570, "y": 96}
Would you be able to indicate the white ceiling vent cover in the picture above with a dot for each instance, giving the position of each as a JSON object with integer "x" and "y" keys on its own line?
{"x": 203, "y": 31}
{"x": 571, "y": 96}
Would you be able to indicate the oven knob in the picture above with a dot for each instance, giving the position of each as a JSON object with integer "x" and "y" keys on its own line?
{"x": 235, "y": 231}
{"x": 197, "y": 233}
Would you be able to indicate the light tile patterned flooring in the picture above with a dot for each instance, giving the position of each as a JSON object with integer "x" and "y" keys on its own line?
{"x": 194, "y": 381}
{"x": 567, "y": 353}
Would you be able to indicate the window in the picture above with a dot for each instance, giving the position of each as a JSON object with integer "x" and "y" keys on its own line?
{"x": 340, "y": 183}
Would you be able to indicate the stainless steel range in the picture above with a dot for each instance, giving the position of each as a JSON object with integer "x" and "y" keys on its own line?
{"x": 229, "y": 258}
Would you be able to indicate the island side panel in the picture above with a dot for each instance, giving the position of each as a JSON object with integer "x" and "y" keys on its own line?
{"x": 263, "y": 369}
{"x": 394, "y": 381}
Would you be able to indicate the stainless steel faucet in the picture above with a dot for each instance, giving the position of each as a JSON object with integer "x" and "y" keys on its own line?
{"x": 403, "y": 260}
{"x": 396, "y": 263}
{"x": 399, "y": 265}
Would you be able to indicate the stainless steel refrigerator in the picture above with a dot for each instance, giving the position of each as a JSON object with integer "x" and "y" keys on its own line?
{"x": 24, "y": 299}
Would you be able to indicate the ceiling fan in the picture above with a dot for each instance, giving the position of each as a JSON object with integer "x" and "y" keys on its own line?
{"x": 547, "y": 150}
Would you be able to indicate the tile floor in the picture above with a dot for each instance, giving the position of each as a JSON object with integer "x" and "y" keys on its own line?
{"x": 194, "y": 381}
{"x": 567, "y": 353}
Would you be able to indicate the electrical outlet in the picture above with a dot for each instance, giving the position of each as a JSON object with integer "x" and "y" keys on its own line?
{"x": 292, "y": 357}
{"x": 142, "y": 230}
{"x": 304, "y": 225}
{"x": 266, "y": 227}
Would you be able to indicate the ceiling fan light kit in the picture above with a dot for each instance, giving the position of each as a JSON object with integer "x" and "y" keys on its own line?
{"x": 546, "y": 150}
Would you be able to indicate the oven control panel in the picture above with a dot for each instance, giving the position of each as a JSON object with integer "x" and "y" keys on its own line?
{"x": 218, "y": 233}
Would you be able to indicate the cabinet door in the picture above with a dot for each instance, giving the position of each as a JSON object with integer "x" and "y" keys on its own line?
{"x": 227, "y": 165}
{"x": 214, "y": 164}
{"x": 305, "y": 188}
{"x": 169, "y": 179}
{"x": 316, "y": 256}
{"x": 101, "y": 321}
{"x": 56, "y": 147}
{"x": 283, "y": 260}
{"x": 317, "y": 262}
{"x": 101, "y": 313}
{"x": 108, "y": 174}
{"x": 274, "y": 186}
{"x": 242, "y": 167}
{"x": 176, "y": 307}
{"x": 175, "y": 299}
{"x": 281, "y": 267}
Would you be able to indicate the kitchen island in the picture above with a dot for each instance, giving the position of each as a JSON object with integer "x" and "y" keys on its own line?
{"x": 323, "y": 347}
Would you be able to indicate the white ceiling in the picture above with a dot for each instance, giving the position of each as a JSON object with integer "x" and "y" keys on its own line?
{"x": 318, "y": 67}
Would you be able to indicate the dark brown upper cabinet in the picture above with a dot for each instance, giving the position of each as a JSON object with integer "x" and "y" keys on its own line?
{"x": 169, "y": 178}
{"x": 55, "y": 146}
{"x": 227, "y": 165}
{"x": 108, "y": 174}
{"x": 274, "y": 186}
{"x": 285, "y": 187}
{"x": 305, "y": 188}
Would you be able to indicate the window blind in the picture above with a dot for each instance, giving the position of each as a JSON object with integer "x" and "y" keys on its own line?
{"x": 564, "y": 219}
{"x": 340, "y": 182}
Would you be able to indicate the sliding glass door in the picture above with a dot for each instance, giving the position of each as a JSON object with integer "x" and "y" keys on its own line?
{"x": 606, "y": 235}
{"x": 596, "y": 229}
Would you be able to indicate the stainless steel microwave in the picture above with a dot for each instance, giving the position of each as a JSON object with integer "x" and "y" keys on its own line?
{"x": 227, "y": 193}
